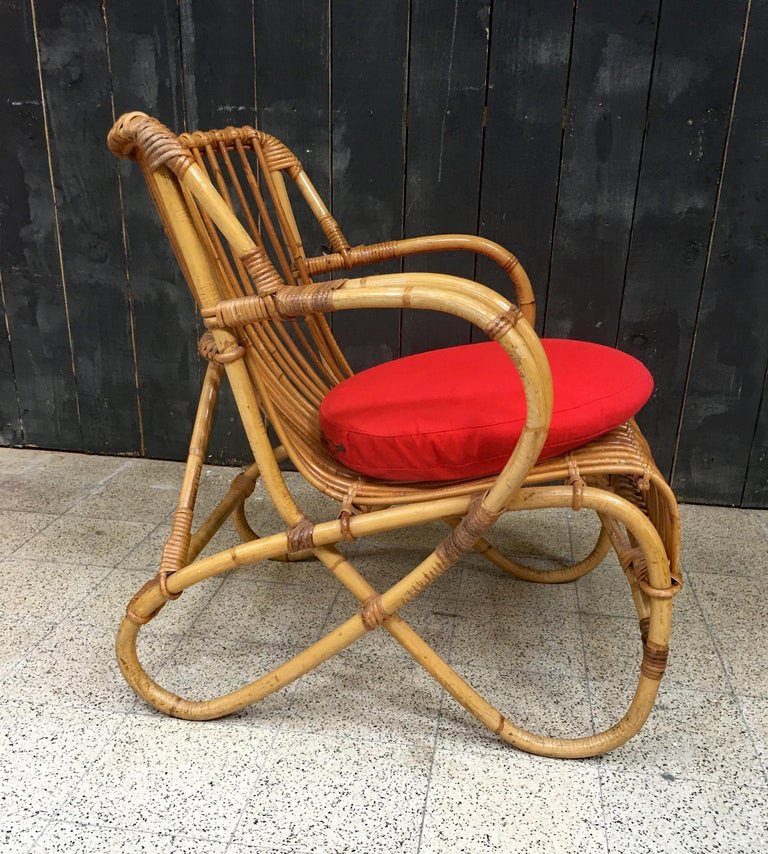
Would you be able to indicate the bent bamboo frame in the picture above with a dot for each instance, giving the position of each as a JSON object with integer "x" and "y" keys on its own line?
{"x": 268, "y": 334}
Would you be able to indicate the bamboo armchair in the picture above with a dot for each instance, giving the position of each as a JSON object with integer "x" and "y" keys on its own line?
{"x": 223, "y": 197}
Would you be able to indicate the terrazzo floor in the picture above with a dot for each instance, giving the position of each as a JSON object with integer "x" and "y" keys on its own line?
{"x": 367, "y": 753}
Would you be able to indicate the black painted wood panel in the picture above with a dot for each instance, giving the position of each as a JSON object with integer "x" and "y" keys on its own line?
{"x": 293, "y": 91}
{"x": 589, "y": 138}
{"x": 693, "y": 76}
{"x": 145, "y": 60}
{"x": 33, "y": 290}
{"x": 756, "y": 486}
{"x": 218, "y": 71}
{"x": 527, "y": 77}
{"x": 76, "y": 83}
{"x": 10, "y": 423}
{"x": 446, "y": 102}
{"x": 605, "y": 115}
{"x": 731, "y": 347}
{"x": 219, "y": 90}
{"x": 368, "y": 78}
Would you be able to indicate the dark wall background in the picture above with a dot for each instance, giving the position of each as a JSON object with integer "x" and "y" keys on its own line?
{"x": 619, "y": 148}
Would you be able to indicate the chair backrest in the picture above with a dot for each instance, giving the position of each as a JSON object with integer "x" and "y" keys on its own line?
{"x": 235, "y": 233}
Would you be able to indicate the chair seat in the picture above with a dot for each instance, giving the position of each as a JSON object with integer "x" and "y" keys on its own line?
{"x": 456, "y": 414}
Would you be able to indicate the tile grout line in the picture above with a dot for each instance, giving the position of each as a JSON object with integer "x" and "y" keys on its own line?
{"x": 438, "y": 718}
{"x": 100, "y": 484}
{"x": 48, "y": 822}
{"x": 268, "y": 754}
{"x": 588, "y": 686}
{"x": 56, "y": 516}
{"x": 278, "y": 730}
{"x": 734, "y": 693}
{"x": 171, "y": 836}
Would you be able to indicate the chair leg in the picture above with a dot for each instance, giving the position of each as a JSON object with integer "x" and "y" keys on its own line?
{"x": 240, "y": 488}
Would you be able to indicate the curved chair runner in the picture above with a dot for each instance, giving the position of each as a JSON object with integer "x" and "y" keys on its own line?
{"x": 224, "y": 201}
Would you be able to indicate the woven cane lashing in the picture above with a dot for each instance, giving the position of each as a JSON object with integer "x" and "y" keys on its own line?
{"x": 457, "y": 413}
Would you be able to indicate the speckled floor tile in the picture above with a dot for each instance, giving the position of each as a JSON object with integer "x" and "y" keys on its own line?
{"x": 67, "y": 838}
{"x": 646, "y": 812}
{"x": 239, "y": 848}
{"x": 510, "y": 802}
{"x": 30, "y": 491}
{"x": 736, "y": 602}
{"x": 737, "y": 612}
{"x": 18, "y": 637}
{"x": 18, "y": 833}
{"x": 614, "y": 651}
{"x": 689, "y": 734}
{"x": 146, "y": 553}
{"x": 418, "y": 539}
{"x": 95, "y": 467}
{"x": 214, "y": 485}
{"x": 537, "y": 533}
{"x": 755, "y": 711}
{"x": 584, "y": 529}
{"x": 353, "y": 796}
{"x": 385, "y": 565}
{"x": 723, "y": 541}
{"x": 143, "y": 491}
{"x": 57, "y": 484}
{"x": 45, "y": 589}
{"x": 606, "y": 591}
{"x": 487, "y": 584}
{"x": 160, "y": 775}
{"x": 180, "y": 845}
{"x": 17, "y": 526}
{"x": 106, "y": 604}
{"x": 314, "y": 504}
{"x": 548, "y": 705}
{"x": 304, "y": 572}
{"x": 353, "y": 740}
{"x": 497, "y": 639}
{"x": 204, "y": 667}
{"x": 75, "y": 665}
{"x": 73, "y": 539}
{"x": 43, "y": 753}
{"x": 368, "y": 697}
{"x": 14, "y": 460}
{"x": 261, "y": 611}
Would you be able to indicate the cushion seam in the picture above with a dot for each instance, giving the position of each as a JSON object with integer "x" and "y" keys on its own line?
{"x": 476, "y": 426}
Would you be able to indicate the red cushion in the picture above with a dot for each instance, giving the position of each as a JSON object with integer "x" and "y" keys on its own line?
{"x": 456, "y": 414}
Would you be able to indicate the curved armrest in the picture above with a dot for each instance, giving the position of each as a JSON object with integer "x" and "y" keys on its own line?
{"x": 374, "y": 253}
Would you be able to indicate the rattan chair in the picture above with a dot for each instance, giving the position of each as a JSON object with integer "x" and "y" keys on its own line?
{"x": 224, "y": 199}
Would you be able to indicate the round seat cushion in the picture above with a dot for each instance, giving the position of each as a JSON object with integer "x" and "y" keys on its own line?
{"x": 457, "y": 413}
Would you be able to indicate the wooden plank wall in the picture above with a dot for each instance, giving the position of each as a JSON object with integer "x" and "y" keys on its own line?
{"x": 620, "y": 149}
